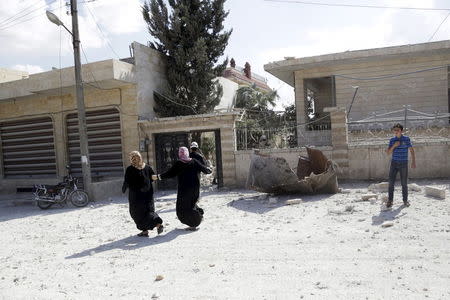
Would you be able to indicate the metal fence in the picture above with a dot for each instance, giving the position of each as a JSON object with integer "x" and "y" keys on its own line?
{"x": 423, "y": 127}
{"x": 288, "y": 135}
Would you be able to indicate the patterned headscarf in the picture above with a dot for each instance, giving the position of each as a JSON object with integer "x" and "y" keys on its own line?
{"x": 183, "y": 154}
{"x": 136, "y": 160}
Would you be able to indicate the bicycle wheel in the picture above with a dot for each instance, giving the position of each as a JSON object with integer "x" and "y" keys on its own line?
{"x": 79, "y": 198}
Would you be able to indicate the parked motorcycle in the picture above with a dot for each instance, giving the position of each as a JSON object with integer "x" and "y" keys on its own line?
{"x": 47, "y": 195}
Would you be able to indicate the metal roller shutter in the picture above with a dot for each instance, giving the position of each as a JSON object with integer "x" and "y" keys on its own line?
{"x": 28, "y": 148}
{"x": 104, "y": 140}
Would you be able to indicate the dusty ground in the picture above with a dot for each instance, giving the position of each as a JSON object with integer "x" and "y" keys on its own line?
{"x": 245, "y": 249}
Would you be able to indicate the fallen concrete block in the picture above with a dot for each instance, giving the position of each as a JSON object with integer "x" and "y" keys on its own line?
{"x": 293, "y": 201}
{"x": 387, "y": 224}
{"x": 367, "y": 197}
{"x": 435, "y": 192}
{"x": 414, "y": 187}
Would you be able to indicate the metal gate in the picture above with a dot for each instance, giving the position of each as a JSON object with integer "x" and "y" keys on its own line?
{"x": 28, "y": 148}
{"x": 104, "y": 140}
{"x": 166, "y": 146}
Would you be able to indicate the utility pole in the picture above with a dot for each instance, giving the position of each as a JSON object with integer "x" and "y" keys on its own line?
{"x": 82, "y": 129}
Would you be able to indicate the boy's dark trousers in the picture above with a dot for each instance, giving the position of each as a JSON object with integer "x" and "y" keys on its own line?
{"x": 402, "y": 167}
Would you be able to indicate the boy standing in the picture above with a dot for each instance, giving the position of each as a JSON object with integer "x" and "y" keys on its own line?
{"x": 398, "y": 146}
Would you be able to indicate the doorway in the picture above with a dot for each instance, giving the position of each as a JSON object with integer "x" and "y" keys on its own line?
{"x": 209, "y": 142}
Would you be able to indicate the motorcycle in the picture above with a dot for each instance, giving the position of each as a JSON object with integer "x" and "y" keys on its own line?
{"x": 47, "y": 195}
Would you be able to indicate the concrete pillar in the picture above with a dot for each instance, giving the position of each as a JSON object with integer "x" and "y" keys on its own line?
{"x": 339, "y": 138}
{"x": 60, "y": 144}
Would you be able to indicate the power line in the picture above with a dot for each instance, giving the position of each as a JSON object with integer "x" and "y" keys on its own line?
{"x": 359, "y": 5}
{"x": 101, "y": 31}
{"x": 392, "y": 75}
{"x": 18, "y": 18}
{"x": 26, "y": 20}
{"x": 25, "y": 9}
{"x": 12, "y": 24}
{"x": 437, "y": 29}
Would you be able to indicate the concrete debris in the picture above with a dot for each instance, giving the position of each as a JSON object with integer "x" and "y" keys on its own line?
{"x": 293, "y": 201}
{"x": 349, "y": 208}
{"x": 274, "y": 175}
{"x": 367, "y": 197}
{"x": 414, "y": 187}
{"x": 435, "y": 192}
{"x": 159, "y": 278}
{"x": 344, "y": 191}
{"x": 387, "y": 224}
{"x": 379, "y": 187}
{"x": 273, "y": 200}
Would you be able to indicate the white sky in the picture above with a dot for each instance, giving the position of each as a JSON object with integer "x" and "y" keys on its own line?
{"x": 262, "y": 31}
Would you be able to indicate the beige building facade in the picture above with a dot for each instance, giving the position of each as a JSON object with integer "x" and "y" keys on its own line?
{"x": 387, "y": 79}
{"x": 38, "y": 119}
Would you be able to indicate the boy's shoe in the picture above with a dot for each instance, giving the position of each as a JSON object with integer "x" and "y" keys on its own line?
{"x": 160, "y": 229}
{"x": 389, "y": 204}
{"x": 406, "y": 203}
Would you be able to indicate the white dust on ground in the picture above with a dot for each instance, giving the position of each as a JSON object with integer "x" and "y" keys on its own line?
{"x": 327, "y": 247}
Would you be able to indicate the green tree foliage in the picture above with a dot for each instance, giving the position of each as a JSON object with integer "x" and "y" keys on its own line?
{"x": 192, "y": 36}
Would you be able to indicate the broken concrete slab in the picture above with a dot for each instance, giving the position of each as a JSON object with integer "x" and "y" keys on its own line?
{"x": 387, "y": 224}
{"x": 367, "y": 197}
{"x": 435, "y": 192}
{"x": 414, "y": 187}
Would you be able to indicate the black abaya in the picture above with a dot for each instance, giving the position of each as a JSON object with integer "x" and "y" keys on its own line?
{"x": 140, "y": 197}
{"x": 188, "y": 174}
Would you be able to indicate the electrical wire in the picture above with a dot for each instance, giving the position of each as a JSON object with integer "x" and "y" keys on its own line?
{"x": 391, "y": 75}
{"x": 17, "y": 15}
{"x": 359, "y": 5}
{"x": 439, "y": 27}
{"x": 18, "y": 18}
{"x": 101, "y": 31}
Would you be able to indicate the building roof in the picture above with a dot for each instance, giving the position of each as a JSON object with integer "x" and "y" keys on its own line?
{"x": 106, "y": 74}
{"x": 237, "y": 75}
{"x": 284, "y": 69}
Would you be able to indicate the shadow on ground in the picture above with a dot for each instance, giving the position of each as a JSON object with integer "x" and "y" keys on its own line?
{"x": 388, "y": 215}
{"x": 132, "y": 243}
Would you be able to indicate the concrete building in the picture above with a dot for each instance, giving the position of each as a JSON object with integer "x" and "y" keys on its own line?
{"x": 39, "y": 122}
{"x": 11, "y": 75}
{"x": 388, "y": 78}
{"x": 244, "y": 76}
{"x": 38, "y": 118}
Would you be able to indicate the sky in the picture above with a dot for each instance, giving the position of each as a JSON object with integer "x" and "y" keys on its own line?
{"x": 263, "y": 31}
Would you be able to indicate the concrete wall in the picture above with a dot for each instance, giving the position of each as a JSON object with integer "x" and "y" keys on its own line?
{"x": 11, "y": 75}
{"x": 224, "y": 122}
{"x": 424, "y": 91}
{"x": 372, "y": 162}
{"x": 243, "y": 159}
{"x": 229, "y": 92}
{"x": 150, "y": 69}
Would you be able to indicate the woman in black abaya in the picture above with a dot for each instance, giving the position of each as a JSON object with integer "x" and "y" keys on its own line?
{"x": 138, "y": 179}
{"x": 188, "y": 172}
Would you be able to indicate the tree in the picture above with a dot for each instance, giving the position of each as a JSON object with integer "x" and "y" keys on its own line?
{"x": 253, "y": 99}
{"x": 192, "y": 36}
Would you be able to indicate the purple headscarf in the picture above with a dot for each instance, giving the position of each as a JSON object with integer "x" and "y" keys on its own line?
{"x": 183, "y": 154}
